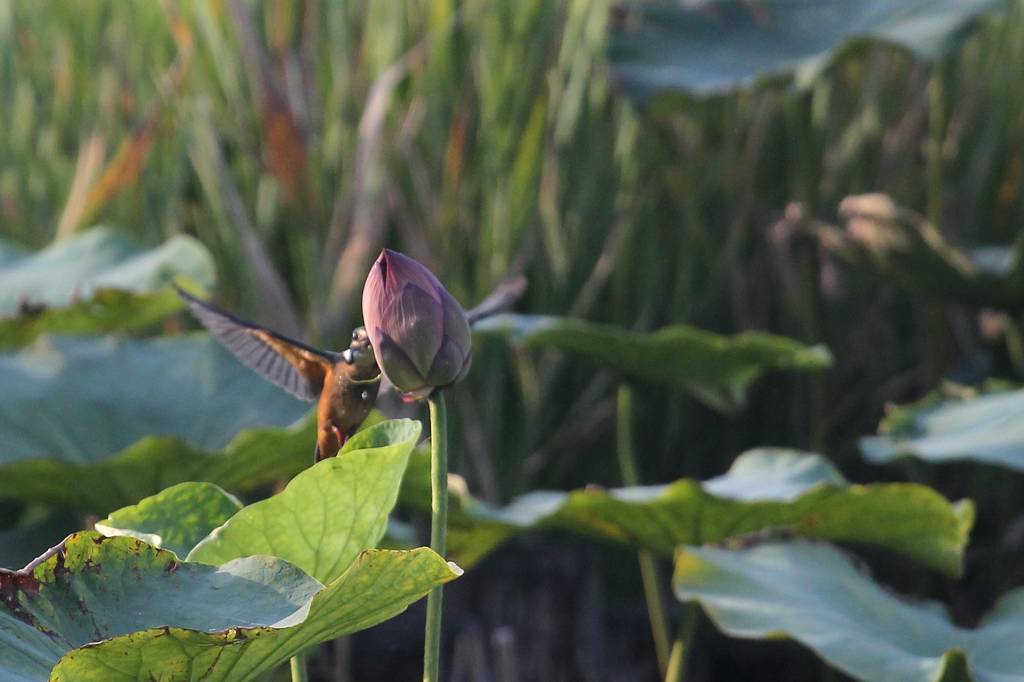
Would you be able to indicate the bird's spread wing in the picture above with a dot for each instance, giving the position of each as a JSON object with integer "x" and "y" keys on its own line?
{"x": 292, "y": 365}
{"x": 502, "y": 298}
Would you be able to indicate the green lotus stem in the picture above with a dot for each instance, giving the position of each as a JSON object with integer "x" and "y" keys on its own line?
{"x": 937, "y": 123}
{"x": 298, "y": 665}
{"x": 438, "y": 528}
{"x": 649, "y": 573}
{"x": 1015, "y": 345}
{"x": 681, "y": 646}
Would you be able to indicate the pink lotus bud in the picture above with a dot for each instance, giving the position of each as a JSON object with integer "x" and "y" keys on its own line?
{"x": 418, "y": 330}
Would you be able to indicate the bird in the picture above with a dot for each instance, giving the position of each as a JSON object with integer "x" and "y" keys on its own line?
{"x": 344, "y": 385}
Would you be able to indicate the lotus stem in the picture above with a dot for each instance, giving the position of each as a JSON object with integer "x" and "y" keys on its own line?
{"x": 438, "y": 528}
{"x": 937, "y": 122}
{"x": 298, "y": 665}
{"x": 649, "y": 573}
{"x": 681, "y": 646}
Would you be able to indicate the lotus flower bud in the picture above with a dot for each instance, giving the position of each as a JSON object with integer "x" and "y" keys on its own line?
{"x": 418, "y": 330}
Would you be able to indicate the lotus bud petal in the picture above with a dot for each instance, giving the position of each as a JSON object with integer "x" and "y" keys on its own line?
{"x": 418, "y": 330}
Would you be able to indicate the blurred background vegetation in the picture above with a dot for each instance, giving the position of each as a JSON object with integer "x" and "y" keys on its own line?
{"x": 487, "y": 139}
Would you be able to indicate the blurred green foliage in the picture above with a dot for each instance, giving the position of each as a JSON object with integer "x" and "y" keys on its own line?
{"x": 98, "y": 423}
{"x": 767, "y": 488}
{"x": 295, "y": 138}
{"x": 98, "y": 281}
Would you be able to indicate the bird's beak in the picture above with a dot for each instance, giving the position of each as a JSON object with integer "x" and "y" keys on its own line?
{"x": 347, "y": 356}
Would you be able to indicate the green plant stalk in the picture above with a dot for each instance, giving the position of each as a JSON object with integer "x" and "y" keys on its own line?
{"x": 814, "y": 332}
{"x": 649, "y": 573}
{"x": 438, "y": 528}
{"x": 681, "y": 646}
{"x": 936, "y": 141}
{"x": 1015, "y": 346}
{"x": 298, "y": 666}
{"x": 937, "y": 350}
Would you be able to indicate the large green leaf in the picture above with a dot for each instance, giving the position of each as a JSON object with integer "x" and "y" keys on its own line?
{"x": 99, "y": 280}
{"x": 10, "y": 253}
{"x": 713, "y": 46}
{"x": 328, "y": 513}
{"x": 176, "y": 519}
{"x": 119, "y": 610}
{"x": 717, "y": 369}
{"x": 100, "y": 423}
{"x": 814, "y": 594}
{"x": 766, "y": 489}
{"x": 952, "y": 424}
{"x": 323, "y": 518}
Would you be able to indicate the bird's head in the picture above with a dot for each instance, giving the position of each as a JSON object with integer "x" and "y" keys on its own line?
{"x": 359, "y": 352}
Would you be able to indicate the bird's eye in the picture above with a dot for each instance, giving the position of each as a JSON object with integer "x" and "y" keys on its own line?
{"x": 355, "y": 335}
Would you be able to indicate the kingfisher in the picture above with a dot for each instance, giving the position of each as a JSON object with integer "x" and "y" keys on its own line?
{"x": 344, "y": 385}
